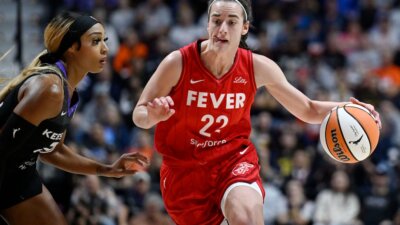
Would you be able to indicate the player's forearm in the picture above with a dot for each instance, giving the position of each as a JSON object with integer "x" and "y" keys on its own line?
{"x": 66, "y": 159}
{"x": 319, "y": 109}
{"x": 140, "y": 117}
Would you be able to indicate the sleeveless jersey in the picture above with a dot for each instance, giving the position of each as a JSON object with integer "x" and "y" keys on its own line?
{"x": 49, "y": 132}
{"x": 212, "y": 118}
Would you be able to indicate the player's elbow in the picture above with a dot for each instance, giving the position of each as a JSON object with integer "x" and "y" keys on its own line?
{"x": 139, "y": 118}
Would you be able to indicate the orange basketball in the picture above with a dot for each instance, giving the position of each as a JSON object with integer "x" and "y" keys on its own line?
{"x": 349, "y": 133}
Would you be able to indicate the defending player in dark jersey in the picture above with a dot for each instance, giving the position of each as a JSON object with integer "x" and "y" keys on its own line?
{"x": 35, "y": 109}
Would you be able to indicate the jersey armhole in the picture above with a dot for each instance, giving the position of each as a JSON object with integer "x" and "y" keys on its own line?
{"x": 251, "y": 66}
{"x": 180, "y": 81}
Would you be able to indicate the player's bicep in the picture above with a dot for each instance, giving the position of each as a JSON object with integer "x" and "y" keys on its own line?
{"x": 164, "y": 78}
{"x": 40, "y": 98}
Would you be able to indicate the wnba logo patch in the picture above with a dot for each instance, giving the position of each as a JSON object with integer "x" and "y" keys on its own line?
{"x": 242, "y": 168}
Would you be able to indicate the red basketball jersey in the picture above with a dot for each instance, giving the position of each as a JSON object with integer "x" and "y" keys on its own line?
{"x": 212, "y": 118}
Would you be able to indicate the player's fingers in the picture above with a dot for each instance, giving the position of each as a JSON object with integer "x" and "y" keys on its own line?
{"x": 354, "y": 100}
{"x": 377, "y": 119}
{"x": 370, "y": 107}
{"x": 136, "y": 155}
{"x": 171, "y": 112}
{"x": 150, "y": 104}
{"x": 141, "y": 162}
{"x": 164, "y": 102}
{"x": 170, "y": 101}
{"x": 157, "y": 102}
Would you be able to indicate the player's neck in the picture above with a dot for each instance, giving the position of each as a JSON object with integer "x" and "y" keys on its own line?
{"x": 74, "y": 76}
{"x": 218, "y": 64}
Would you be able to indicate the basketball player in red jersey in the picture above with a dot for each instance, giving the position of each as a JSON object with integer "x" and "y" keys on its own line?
{"x": 200, "y": 98}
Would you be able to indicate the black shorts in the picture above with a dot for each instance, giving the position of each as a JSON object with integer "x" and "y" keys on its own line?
{"x": 18, "y": 186}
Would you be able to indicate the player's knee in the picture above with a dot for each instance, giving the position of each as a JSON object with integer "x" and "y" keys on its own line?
{"x": 245, "y": 214}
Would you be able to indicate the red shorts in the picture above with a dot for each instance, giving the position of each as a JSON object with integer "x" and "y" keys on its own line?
{"x": 192, "y": 195}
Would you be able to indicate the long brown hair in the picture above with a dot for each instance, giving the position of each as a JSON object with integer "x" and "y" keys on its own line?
{"x": 249, "y": 11}
{"x": 53, "y": 34}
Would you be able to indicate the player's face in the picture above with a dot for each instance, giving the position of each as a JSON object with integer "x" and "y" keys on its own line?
{"x": 92, "y": 56}
{"x": 225, "y": 26}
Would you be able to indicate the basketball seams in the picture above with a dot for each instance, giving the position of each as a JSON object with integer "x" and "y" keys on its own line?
{"x": 330, "y": 143}
{"x": 362, "y": 127}
{"x": 324, "y": 143}
{"x": 370, "y": 128}
{"x": 343, "y": 138}
{"x": 351, "y": 105}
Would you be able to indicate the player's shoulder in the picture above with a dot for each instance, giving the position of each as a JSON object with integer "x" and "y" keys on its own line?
{"x": 175, "y": 57}
{"x": 46, "y": 86}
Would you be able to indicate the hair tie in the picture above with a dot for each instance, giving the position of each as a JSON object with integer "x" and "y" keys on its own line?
{"x": 49, "y": 58}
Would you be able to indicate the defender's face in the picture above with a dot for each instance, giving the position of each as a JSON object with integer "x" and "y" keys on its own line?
{"x": 225, "y": 25}
{"x": 92, "y": 56}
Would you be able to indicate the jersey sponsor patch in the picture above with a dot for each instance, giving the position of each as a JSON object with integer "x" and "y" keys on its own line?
{"x": 242, "y": 168}
{"x": 240, "y": 80}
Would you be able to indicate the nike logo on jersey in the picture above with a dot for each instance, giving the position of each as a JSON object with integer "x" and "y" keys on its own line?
{"x": 1, "y": 104}
{"x": 63, "y": 113}
{"x": 195, "y": 81}
{"x": 244, "y": 151}
{"x": 15, "y": 131}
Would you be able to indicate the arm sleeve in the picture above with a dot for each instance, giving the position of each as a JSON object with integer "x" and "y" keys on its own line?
{"x": 14, "y": 134}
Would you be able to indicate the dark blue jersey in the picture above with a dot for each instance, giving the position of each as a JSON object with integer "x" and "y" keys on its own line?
{"x": 49, "y": 132}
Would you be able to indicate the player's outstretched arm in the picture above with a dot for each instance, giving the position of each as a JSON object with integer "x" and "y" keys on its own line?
{"x": 65, "y": 158}
{"x": 268, "y": 74}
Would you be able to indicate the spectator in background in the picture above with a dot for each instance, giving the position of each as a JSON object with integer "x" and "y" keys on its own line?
{"x": 383, "y": 36}
{"x": 338, "y": 205}
{"x": 123, "y": 18}
{"x": 379, "y": 203}
{"x": 300, "y": 209}
{"x": 388, "y": 71}
{"x": 93, "y": 203}
{"x": 185, "y": 30}
{"x": 153, "y": 213}
{"x": 101, "y": 99}
{"x": 130, "y": 49}
{"x": 155, "y": 18}
{"x": 95, "y": 143}
{"x": 274, "y": 208}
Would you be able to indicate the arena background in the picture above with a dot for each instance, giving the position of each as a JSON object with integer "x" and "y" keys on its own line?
{"x": 329, "y": 49}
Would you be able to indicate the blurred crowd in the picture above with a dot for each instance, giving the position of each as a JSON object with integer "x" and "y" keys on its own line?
{"x": 328, "y": 49}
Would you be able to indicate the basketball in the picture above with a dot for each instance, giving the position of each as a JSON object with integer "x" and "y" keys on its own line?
{"x": 349, "y": 133}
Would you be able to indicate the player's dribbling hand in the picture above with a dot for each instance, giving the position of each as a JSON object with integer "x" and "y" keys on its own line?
{"x": 122, "y": 166}
{"x": 371, "y": 108}
{"x": 160, "y": 109}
